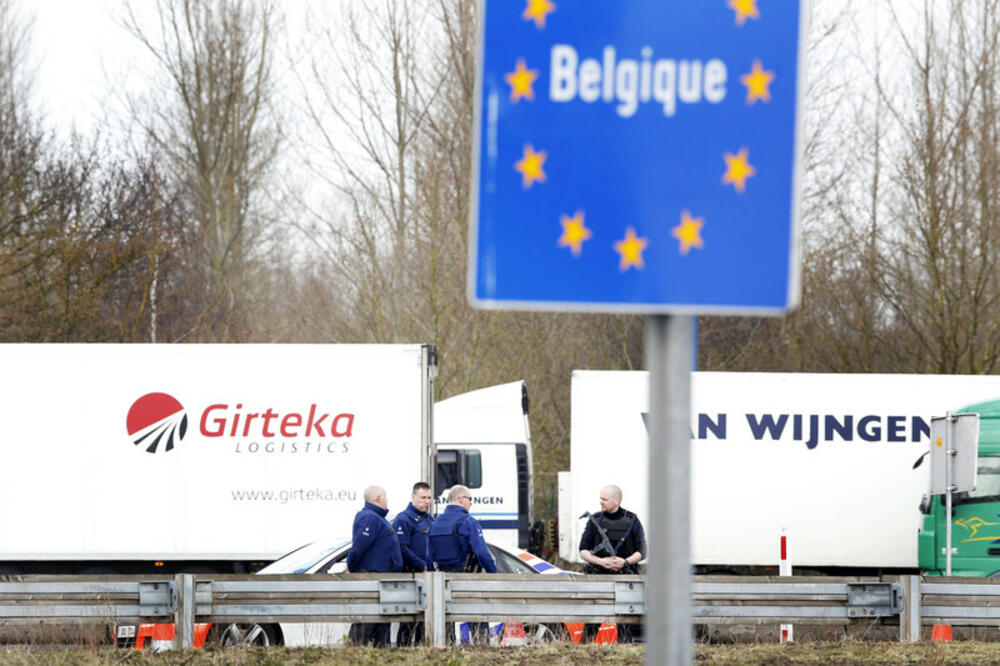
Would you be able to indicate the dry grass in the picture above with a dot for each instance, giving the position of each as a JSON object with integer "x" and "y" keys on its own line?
{"x": 842, "y": 652}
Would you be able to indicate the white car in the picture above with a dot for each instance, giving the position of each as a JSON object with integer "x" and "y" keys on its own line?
{"x": 330, "y": 557}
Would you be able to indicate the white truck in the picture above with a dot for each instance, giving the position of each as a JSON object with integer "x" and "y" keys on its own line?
{"x": 826, "y": 459}
{"x": 484, "y": 442}
{"x": 151, "y": 458}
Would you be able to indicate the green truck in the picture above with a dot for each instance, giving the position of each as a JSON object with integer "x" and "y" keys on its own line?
{"x": 975, "y": 514}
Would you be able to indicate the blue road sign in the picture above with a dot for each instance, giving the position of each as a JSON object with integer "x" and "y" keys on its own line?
{"x": 637, "y": 155}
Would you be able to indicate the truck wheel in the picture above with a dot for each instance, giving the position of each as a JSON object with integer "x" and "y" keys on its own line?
{"x": 246, "y": 635}
{"x": 546, "y": 633}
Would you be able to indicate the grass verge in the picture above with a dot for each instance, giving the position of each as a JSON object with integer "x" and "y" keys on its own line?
{"x": 842, "y": 652}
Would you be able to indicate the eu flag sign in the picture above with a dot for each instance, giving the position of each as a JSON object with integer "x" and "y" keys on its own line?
{"x": 637, "y": 155}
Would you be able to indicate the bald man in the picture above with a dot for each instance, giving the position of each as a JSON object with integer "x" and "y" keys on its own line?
{"x": 623, "y": 531}
{"x": 456, "y": 543}
{"x": 374, "y": 548}
{"x": 612, "y": 543}
{"x": 456, "y": 535}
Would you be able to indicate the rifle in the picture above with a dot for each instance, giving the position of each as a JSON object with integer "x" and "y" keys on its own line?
{"x": 605, "y": 545}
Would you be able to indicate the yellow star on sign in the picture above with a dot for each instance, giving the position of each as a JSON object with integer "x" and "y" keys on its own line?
{"x": 744, "y": 9}
{"x": 537, "y": 10}
{"x": 530, "y": 166}
{"x": 520, "y": 81}
{"x": 738, "y": 169}
{"x": 757, "y": 82}
{"x": 688, "y": 232}
{"x": 630, "y": 250}
{"x": 574, "y": 232}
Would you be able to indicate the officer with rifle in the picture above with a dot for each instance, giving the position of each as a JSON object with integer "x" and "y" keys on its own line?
{"x": 455, "y": 542}
{"x": 612, "y": 543}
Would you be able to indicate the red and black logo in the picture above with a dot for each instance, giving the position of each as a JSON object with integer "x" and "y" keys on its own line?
{"x": 154, "y": 419}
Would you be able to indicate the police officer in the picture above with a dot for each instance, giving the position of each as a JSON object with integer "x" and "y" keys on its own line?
{"x": 456, "y": 542}
{"x": 412, "y": 526}
{"x": 612, "y": 543}
{"x": 374, "y": 548}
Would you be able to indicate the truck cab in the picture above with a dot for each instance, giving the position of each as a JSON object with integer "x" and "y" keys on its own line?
{"x": 975, "y": 514}
{"x": 483, "y": 441}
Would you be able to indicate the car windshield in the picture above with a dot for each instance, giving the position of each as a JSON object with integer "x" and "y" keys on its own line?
{"x": 303, "y": 559}
{"x": 507, "y": 563}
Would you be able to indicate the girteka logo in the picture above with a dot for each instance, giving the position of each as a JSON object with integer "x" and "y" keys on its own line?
{"x": 155, "y": 419}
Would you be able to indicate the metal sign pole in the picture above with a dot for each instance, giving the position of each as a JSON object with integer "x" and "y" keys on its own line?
{"x": 668, "y": 344}
{"x": 949, "y": 484}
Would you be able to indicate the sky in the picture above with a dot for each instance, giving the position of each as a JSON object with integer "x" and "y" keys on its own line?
{"x": 75, "y": 43}
{"x": 80, "y": 49}
{"x": 83, "y": 55}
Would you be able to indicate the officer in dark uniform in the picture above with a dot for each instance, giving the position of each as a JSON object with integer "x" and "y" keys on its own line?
{"x": 412, "y": 526}
{"x": 456, "y": 543}
{"x": 374, "y": 548}
{"x": 613, "y": 543}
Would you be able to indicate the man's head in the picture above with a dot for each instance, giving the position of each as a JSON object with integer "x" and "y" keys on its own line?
{"x": 421, "y": 497}
{"x": 376, "y": 495}
{"x": 611, "y": 498}
{"x": 461, "y": 496}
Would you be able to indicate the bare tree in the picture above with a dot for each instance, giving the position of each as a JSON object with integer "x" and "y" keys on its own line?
{"x": 23, "y": 196}
{"x": 212, "y": 118}
{"x": 942, "y": 274}
{"x": 393, "y": 250}
{"x": 903, "y": 243}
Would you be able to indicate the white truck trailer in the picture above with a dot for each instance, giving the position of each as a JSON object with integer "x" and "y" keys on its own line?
{"x": 826, "y": 458}
{"x": 145, "y": 458}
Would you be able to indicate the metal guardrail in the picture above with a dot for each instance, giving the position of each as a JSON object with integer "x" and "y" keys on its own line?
{"x": 530, "y": 598}
{"x": 365, "y": 597}
{"x": 55, "y": 599}
{"x": 784, "y": 600}
{"x": 301, "y": 598}
{"x": 952, "y": 601}
{"x": 440, "y": 598}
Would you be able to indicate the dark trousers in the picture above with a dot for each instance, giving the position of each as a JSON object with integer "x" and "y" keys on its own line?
{"x": 627, "y": 633}
{"x": 410, "y": 633}
{"x": 479, "y": 633}
{"x": 369, "y": 633}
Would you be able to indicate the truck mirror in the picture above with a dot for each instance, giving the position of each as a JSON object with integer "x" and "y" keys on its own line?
{"x": 920, "y": 460}
{"x": 925, "y": 505}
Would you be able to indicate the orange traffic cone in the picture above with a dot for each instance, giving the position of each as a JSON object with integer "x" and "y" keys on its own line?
{"x": 513, "y": 634}
{"x": 941, "y": 632}
{"x": 575, "y": 630}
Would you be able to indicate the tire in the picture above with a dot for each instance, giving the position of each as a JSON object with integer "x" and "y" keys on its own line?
{"x": 237, "y": 635}
{"x": 546, "y": 633}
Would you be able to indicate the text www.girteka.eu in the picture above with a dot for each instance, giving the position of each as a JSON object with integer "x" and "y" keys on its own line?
{"x": 295, "y": 495}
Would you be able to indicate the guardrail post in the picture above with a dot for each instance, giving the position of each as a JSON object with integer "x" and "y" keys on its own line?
{"x": 434, "y": 627}
{"x": 909, "y": 621}
{"x": 184, "y": 616}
